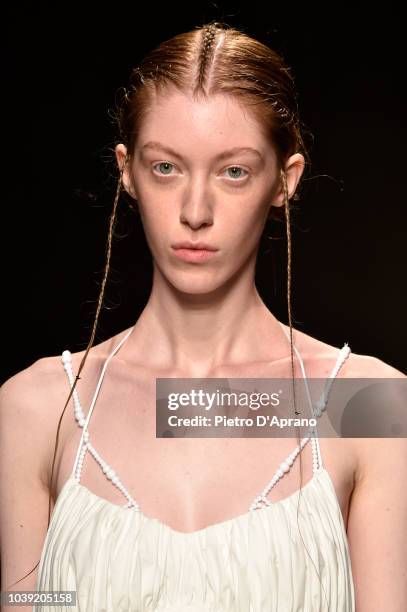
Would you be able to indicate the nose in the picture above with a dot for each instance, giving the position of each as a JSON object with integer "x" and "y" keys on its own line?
{"x": 197, "y": 204}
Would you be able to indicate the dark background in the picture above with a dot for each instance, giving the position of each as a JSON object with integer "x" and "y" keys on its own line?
{"x": 62, "y": 65}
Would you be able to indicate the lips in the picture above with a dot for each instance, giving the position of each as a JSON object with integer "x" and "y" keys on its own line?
{"x": 199, "y": 246}
{"x": 194, "y": 255}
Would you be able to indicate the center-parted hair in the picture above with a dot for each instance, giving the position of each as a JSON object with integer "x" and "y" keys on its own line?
{"x": 217, "y": 59}
{"x": 213, "y": 59}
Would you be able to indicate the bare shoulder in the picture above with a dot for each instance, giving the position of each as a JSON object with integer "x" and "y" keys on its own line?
{"x": 320, "y": 355}
{"x": 376, "y": 453}
{"x": 366, "y": 366}
{"x": 28, "y": 390}
{"x": 30, "y": 404}
{"x": 28, "y": 419}
{"x": 32, "y": 400}
{"x": 320, "y": 359}
{"x": 376, "y": 457}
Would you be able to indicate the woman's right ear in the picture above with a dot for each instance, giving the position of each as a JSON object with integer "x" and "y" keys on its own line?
{"x": 121, "y": 158}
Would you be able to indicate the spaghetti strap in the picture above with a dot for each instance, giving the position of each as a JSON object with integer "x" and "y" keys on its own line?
{"x": 85, "y": 427}
{"x": 84, "y": 443}
{"x": 320, "y": 405}
{"x": 261, "y": 500}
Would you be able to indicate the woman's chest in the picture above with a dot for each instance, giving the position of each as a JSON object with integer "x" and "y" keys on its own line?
{"x": 190, "y": 483}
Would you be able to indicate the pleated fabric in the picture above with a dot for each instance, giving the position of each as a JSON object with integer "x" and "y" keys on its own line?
{"x": 119, "y": 560}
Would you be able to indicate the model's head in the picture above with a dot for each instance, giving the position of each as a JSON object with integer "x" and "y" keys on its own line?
{"x": 210, "y": 148}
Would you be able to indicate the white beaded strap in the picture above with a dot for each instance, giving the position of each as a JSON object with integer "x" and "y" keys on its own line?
{"x": 85, "y": 444}
{"x": 85, "y": 426}
{"x": 79, "y": 416}
{"x": 316, "y": 452}
{"x": 261, "y": 500}
{"x": 108, "y": 471}
{"x": 321, "y": 404}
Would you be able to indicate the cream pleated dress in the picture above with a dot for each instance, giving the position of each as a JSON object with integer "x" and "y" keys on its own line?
{"x": 117, "y": 559}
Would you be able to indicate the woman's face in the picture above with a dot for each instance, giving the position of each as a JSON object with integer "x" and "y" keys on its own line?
{"x": 203, "y": 171}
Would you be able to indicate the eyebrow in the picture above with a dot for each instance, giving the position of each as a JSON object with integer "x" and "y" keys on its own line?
{"x": 157, "y": 145}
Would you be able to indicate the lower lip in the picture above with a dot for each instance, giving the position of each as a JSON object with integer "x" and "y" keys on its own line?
{"x": 194, "y": 254}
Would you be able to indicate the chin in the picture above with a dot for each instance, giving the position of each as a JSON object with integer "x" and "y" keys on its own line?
{"x": 197, "y": 283}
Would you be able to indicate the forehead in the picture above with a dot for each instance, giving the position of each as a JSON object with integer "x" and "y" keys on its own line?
{"x": 191, "y": 125}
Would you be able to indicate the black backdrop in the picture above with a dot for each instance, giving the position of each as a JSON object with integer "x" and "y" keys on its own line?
{"x": 62, "y": 65}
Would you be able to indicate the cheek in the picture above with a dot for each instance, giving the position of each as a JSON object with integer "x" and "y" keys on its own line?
{"x": 248, "y": 223}
{"x": 155, "y": 226}
{"x": 155, "y": 215}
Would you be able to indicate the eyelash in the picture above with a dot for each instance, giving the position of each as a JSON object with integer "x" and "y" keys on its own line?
{"x": 234, "y": 166}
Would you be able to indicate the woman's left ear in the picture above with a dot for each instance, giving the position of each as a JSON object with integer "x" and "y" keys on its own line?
{"x": 293, "y": 172}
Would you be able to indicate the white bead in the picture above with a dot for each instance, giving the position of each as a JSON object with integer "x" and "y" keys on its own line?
{"x": 81, "y": 422}
{"x": 86, "y": 436}
{"x": 285, "y": 467}
{"x": 115, "y": 480}
{"x": 110, "y": 473}
{"x": 66, "y": 356}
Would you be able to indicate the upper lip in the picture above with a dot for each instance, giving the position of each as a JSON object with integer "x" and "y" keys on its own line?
{"x": 186, "y": 244}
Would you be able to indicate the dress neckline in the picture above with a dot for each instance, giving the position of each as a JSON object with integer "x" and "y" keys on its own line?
{"x": 74, "y": 478}
{"x": 72, "y": 482}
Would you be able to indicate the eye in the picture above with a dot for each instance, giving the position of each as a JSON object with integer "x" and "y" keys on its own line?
{"x": 165, "y": 166}
{"x": 237, "y": 172}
